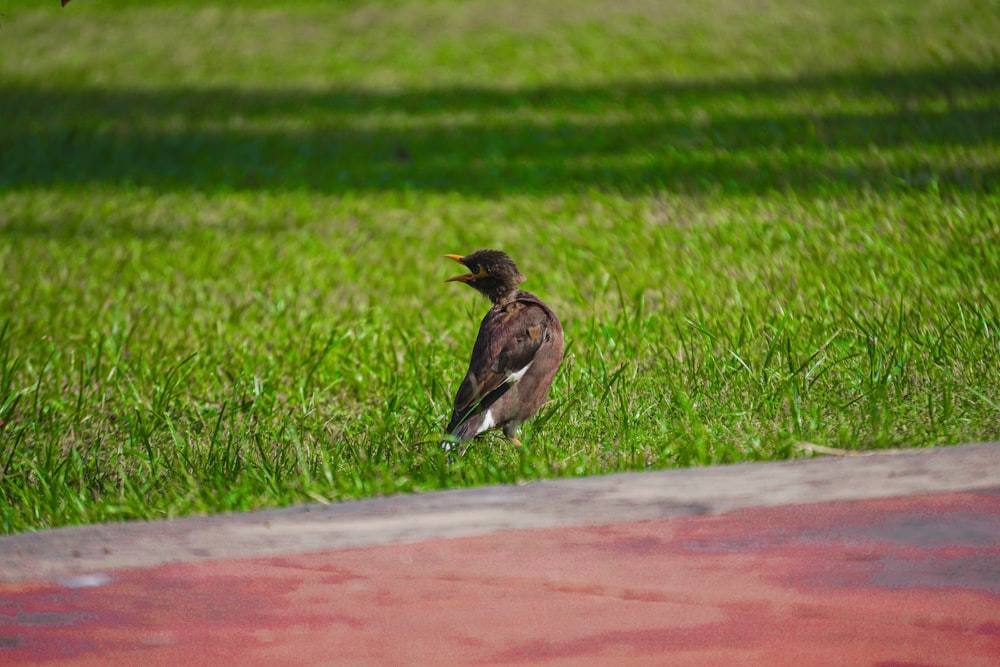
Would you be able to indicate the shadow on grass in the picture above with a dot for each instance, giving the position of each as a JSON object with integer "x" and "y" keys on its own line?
{"x": 730, "y": 136}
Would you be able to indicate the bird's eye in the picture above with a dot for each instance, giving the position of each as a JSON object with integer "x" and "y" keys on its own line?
{"x": 473, "y": 269}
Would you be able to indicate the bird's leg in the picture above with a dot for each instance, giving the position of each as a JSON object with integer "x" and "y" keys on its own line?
{"x": 510, "y": 432}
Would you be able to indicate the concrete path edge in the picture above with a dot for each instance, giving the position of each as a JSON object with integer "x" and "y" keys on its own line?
{"x": 598, "y": 500}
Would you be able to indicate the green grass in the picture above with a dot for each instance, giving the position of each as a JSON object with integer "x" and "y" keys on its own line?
{"x": 222, "y": 229}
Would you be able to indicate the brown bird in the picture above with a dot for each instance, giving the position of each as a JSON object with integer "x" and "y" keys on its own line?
{"x": 516, "y": 355}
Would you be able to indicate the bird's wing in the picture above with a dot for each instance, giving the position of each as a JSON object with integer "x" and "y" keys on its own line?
{"x": 508, "y": 340}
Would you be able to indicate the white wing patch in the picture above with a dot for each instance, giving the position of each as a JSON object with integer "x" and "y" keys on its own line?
{"x": 517, "y": 375}
{"x": 489, "y": 421}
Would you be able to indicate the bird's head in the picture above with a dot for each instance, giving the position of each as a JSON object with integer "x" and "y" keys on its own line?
{"x": 491, "y": 272}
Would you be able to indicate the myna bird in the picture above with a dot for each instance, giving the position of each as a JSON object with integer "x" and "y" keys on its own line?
{"x": 516, "y": 355}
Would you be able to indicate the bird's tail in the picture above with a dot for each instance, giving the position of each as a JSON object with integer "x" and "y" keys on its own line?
{"x": 461, "y": 434}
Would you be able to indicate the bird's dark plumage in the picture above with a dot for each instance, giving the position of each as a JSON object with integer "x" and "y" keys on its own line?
{"x": 516, "y": 355}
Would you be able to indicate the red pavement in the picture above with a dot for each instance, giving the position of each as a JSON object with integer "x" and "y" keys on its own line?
{"x": 899, "y": 582}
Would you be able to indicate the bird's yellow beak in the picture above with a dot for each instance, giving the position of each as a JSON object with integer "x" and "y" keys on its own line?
{"x": 466, "y": 277}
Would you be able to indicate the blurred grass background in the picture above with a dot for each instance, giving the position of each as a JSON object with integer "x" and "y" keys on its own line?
{"x": 763, "y": 224}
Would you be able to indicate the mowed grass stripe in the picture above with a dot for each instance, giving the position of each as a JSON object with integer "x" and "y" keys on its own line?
{"x": 222, "y": 229}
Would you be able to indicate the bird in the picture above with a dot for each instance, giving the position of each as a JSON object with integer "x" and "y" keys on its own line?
{"x": 516, "y": 355}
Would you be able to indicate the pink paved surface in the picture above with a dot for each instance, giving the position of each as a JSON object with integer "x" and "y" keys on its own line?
{"x": 893, "y": 582}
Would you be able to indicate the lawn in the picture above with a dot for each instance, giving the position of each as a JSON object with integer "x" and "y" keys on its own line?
{"x": 764, "y": 225}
